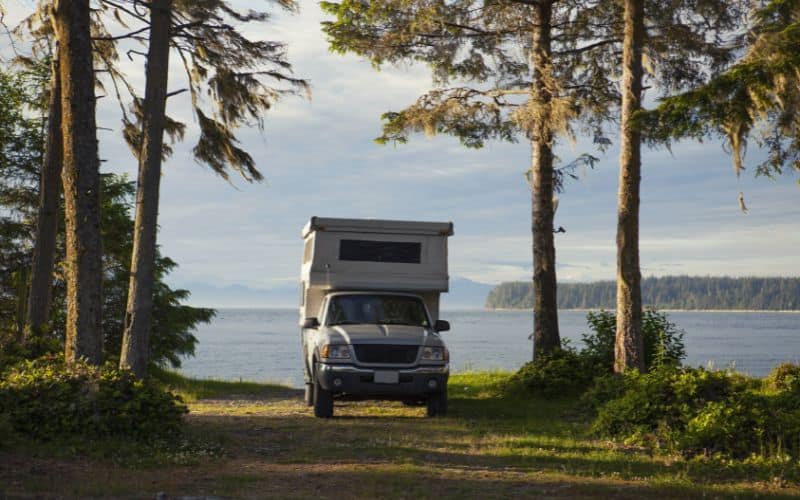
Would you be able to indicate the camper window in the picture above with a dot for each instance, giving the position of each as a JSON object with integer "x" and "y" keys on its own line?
{"x": 380, "y": 251}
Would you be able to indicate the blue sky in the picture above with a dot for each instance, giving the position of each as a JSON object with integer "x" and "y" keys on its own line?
{"x": 318, "y": 158}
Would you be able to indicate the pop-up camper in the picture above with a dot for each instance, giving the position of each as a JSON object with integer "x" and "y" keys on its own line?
{"x": 369, "y": 311}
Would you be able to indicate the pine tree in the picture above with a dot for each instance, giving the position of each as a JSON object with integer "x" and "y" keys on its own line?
{"x": 44, "y": 254}
{"x": 756, "y": 100}
{"x": 221, "y": 62}
{"x": 502, "y": 70}
{"x": 681, "y": 40}
{"x": 138, "y": 315}
{"x": 81, "y": 179}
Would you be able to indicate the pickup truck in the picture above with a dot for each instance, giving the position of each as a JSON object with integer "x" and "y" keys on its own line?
{"x": 369, "y": 313}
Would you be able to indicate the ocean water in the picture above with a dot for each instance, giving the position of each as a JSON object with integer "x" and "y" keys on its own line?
{"x": 264, "y": 344}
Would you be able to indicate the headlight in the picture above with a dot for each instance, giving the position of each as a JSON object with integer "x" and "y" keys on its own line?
{"x": 335, "y": 351}
{"x": 435, "y": 354}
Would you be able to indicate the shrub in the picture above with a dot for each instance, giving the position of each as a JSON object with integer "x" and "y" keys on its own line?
{"x": 663, "y": 340}
{"x": 696, "y": 411}
{"x": 656, "y": 407}
{"x": 560, "y": 373}
{"x": 570, "y": 372}
{"x": 48, "y": 399}
{"x": 604, "y": 388}
{"x": 784, "y": 377}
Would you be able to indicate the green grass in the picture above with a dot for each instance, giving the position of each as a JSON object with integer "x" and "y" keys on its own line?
{"x": 192, "y": 389}
{"x": 493, "y": 444}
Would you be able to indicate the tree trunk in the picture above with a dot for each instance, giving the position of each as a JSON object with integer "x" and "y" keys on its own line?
{"x": 44, "y": 251}
{"x": 545, "y": 308}
{"x": 138, "y": 315}
{"x": 629, "y": 346}
{"x": 81, "y": 178}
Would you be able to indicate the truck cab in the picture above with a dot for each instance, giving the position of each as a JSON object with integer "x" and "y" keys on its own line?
{"x": 369, "y": 313}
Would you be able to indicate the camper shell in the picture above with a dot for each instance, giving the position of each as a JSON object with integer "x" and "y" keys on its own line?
{"x": 396, "y": 267}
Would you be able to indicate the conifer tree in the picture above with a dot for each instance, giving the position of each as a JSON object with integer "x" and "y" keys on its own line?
{"x": 222, "y": 62}
{"x": 81, "y": 179}
{"x": 682, "y": 41}
{"x": 756, "y": 100}
{"x": 44, "y": 253}
{"x": 532, "y": 69}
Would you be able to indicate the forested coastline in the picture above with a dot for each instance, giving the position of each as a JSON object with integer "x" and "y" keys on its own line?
{"x": 669, "y": 292}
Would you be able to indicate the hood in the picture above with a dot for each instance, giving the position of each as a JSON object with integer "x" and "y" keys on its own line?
{"x": 380, "y": 334}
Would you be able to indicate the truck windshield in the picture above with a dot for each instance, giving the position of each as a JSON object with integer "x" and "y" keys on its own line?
{"x": 376, "y": 309}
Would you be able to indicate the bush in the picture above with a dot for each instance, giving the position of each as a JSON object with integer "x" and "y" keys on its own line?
{"x": 784, "y": 377}
{"x": 697, "y": 411}
{"x": 663, "y": 340}
{"x": 604, "y": 388}
{"x": 48, "y": 399}
{"x": 560, "y": 373}
{"x": 570, "y": 372}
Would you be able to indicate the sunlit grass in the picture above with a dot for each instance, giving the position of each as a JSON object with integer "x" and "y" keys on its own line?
{"x": 192, "y": 389}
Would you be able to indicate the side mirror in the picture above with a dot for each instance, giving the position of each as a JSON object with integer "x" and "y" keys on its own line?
{"x": 312, "y": 323}
{"x": 441, "y": 325}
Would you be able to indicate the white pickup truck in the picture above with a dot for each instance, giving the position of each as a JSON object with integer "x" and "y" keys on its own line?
{"x": 369, "y": 315}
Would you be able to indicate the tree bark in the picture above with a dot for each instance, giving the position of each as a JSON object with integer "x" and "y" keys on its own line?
{"x": 44, "y": 251}
{"x": 629, "y": 345}
{"x": 545, "y": 307}
{"x": 138, "y": 315}
{"x": 81, "y": 178}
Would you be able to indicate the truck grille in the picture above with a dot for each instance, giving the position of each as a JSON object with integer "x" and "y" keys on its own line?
{"x": 390, "y": 354}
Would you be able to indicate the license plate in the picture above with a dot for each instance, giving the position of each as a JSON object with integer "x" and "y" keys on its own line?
{"x": 384, "y": 377}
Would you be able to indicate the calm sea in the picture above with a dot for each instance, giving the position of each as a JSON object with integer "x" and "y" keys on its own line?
{"x": 264, "y": 344}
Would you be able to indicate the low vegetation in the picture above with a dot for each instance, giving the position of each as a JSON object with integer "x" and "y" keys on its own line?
{"x": 570, "y": 371}
{"x": 251, "y": 440}
{"x": 670, "y": 408}
{"x": 47, "y": 399}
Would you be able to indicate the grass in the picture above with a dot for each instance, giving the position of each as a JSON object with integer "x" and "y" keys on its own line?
{"x": 192, "y": 389}
{"x": 249, "y": 440}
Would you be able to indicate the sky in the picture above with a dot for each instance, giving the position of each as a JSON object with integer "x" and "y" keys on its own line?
{"x": 318, "y": 158}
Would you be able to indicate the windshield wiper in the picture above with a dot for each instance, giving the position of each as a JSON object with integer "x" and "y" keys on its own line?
{"x": 345, "y": 322}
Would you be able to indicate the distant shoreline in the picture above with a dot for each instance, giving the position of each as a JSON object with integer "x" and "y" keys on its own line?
{"x": 516, "y": 309}
{"x": 786, "y": 311}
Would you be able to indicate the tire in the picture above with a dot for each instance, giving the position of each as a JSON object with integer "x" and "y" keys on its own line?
{"x": 309, "y": 395}
{"x": 323, "y": 400}
{"x": 437, "y": 404}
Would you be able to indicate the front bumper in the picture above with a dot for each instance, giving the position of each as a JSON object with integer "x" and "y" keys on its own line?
{"x": 353, "y": 380}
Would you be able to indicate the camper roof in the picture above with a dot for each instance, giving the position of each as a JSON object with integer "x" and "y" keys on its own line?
{"x": 378, "y": 226}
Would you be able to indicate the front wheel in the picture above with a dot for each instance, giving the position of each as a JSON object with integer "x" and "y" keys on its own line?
{"x": 437, "y": 404}
{"x": 323, "y": 400}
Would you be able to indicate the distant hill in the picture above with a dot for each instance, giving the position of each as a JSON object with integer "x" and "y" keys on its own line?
{"x": 464, "y": 294}
{"x": 206, "y": 295}
{"x": 669, "y": 292}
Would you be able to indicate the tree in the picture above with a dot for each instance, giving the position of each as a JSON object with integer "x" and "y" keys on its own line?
{"x": 502, "y": 70}
{"x": 629, "y": 345}
{"x": 22, "y": 135}
{"x": 135, "y": 342}
{"x": 233, "y": 70}
{"x": 756, "y": 99}
{"x": 682, "y": 41}
{"x": 81, "y": 179}
{"x": 44, "y": 253}
{"x": 20, "y": 157}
